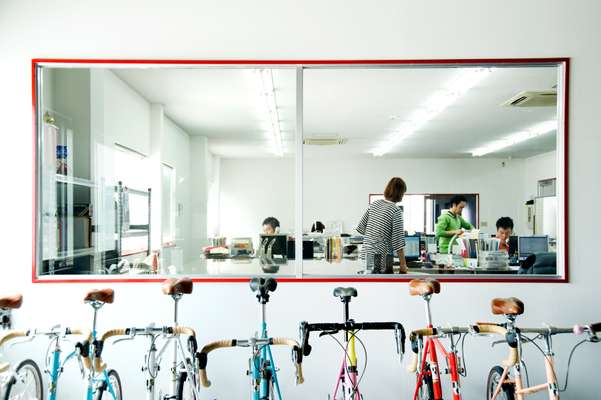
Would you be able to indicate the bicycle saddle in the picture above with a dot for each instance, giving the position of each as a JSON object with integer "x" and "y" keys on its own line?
{"x": 423, "y": 287}
{"x": 11, "y": 302}
{"x": 507, "y": 306}
{"x": 263, "y": 285}
{"x": 100, "y": 295}
{"x": 345, "y": 292}
{"x": 173, "y": 286}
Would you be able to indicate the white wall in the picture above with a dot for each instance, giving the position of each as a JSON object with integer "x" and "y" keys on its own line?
{"x": 338, "y": 29}
{"x": 176, "y": 153}
{"x": 338, "y": 190}
{"x": 253, "y": 189}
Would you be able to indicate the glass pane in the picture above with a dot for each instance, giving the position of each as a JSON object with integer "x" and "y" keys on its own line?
{"x": 470, "y": 143}
{"x": 166, "y": 170}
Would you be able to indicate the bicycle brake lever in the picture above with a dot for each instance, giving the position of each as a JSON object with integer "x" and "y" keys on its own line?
{"x": 123, "y": 339}
{"x": 81, "y": 368}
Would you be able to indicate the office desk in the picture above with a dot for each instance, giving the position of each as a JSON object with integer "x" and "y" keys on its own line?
{"x": 315, "y": 268}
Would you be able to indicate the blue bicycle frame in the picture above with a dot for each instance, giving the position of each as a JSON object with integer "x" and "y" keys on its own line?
{"x": 262, "y": 363}
{"x": 58, "y": 367}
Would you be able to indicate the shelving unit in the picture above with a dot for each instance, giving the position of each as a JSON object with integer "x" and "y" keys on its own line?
{"x": 123, "y": 229}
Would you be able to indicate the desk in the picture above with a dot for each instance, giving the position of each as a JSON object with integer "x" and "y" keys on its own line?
{"x": 315, "y": 268}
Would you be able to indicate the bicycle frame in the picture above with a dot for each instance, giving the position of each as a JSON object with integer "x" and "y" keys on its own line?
{"x": 7, "y": 371}
{"x": 515, "y": 360}
{"x": 429, "y": 350}
{"x": 154, "y": 356}
{"x": 431, "y": 368}
{"x": 348, "y": 369}
{"x": 262, "y": 367}
{"x": 264, "y": 360}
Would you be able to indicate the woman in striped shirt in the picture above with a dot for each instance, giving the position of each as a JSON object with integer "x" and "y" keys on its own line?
{"x": 382, "y": 225}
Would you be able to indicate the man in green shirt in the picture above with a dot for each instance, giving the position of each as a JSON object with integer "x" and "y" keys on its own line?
{"x": 451, "y": 223}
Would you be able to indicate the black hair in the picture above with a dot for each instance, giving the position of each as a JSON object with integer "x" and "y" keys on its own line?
{"x": 272, "y": 221}
{"x": 458, "y": 198}
{"x": 318, "y": 226}
{"x": 505, "y": 223}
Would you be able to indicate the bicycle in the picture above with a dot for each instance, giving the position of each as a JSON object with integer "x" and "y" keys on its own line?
{"x": 100, "y": 379}
{"x": 184, "y": 375}
{"x": 25, "y": 381}
{"x": 264, "y": 383}
{"x": 428, "y": 384}
{"x": 499, "y": 379}
{"x": 348, "y": 368}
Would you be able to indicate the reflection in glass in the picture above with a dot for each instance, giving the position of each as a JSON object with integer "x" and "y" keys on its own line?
{"x": 165, "y": 170}
{"x": 486, "y": 133}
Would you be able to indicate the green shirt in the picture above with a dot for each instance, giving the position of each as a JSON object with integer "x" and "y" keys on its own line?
{"x": 449, "y": 222}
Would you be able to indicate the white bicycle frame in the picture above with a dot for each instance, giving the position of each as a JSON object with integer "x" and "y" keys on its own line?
{"x": 154, "y": 356}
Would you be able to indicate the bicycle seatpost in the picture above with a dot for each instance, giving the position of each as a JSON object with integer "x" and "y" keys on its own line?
{"x": 427, "y": 298}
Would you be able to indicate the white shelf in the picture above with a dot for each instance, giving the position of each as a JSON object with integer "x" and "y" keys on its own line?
{"x": 70, "y": 180}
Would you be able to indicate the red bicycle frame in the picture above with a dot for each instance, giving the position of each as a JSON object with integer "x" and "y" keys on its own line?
{"x": 427, "y": 344}
{"x": 429, "y": 350}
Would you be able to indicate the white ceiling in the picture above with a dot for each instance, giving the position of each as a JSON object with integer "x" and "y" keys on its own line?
{"x": 362, "y": 105}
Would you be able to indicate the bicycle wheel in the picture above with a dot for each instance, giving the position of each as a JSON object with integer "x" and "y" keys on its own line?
{"x": 28, "y": 383}
{"x": 185, "y": 390}
{"x": 426, "y": 391}
{"x": 116, "y": 385}
{"x": 494, "y": 377}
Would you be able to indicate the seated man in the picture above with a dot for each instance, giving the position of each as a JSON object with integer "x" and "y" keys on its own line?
{"x": 451, "y": 223}
{"x": 504, "y": 231}
{"x": 271, "y": 226}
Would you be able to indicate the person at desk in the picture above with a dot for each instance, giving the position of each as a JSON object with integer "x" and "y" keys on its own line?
{"x": 271, "y": 226}
{"x": 504, "y": 231}
{"x": 451, "y": 223}
{"x": 382, "y": 225}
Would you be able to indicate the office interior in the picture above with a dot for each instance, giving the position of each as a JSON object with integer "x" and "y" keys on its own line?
{"x": 139, "y": 135}
{"x": 173, "y": 169}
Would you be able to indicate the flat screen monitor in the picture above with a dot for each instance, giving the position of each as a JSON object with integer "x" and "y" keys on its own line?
{"x": 277, "y": 243}
{"x": 528, "y": 245}
{"x": 411, "y": 248}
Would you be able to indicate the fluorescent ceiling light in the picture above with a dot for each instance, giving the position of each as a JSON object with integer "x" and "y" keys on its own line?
{"x": 463, "y": 81}
{"x": 517, "y": 137}
{"x": 269, "y": 109}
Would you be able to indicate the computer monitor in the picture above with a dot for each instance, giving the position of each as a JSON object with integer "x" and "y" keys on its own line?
{"x": 278, "y": 244}
{"x": 412, "y": 248}
{"x": 528, "y": 245}
{"x": 513, "y": 246}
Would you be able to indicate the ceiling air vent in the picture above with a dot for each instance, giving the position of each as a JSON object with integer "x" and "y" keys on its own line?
{"x": 533, "y": 98}
{"x": 324, "y": 141}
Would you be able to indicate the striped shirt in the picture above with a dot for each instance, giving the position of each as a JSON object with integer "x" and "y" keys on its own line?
{"x": 382, "y": 227}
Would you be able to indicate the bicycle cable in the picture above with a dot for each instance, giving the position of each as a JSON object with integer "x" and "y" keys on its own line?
{"x": 463, "y": 363}
{"x": 565, "y": 387}
{"x": 345, "y": 349}
{"x": 364, "y": 365}
{"x": 148, "y": 366}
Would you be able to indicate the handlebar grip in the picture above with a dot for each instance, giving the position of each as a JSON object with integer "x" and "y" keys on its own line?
{"x": 487, "y": 328}
{"x": 422, "y": 333}
{"x": 203, "y": 358}
{"x": 184, "y": 330}
{"x": 113, "y": 332}
{"x": 81, "y": 332}
{"x": 298, "y": 359}
{"x": 12, "y": 335}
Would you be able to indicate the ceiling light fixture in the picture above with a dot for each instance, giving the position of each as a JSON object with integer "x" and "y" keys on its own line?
{"x": 270, "y": 110}
{"x": 517, "y": 137}
{"x": 463, "y": 81}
